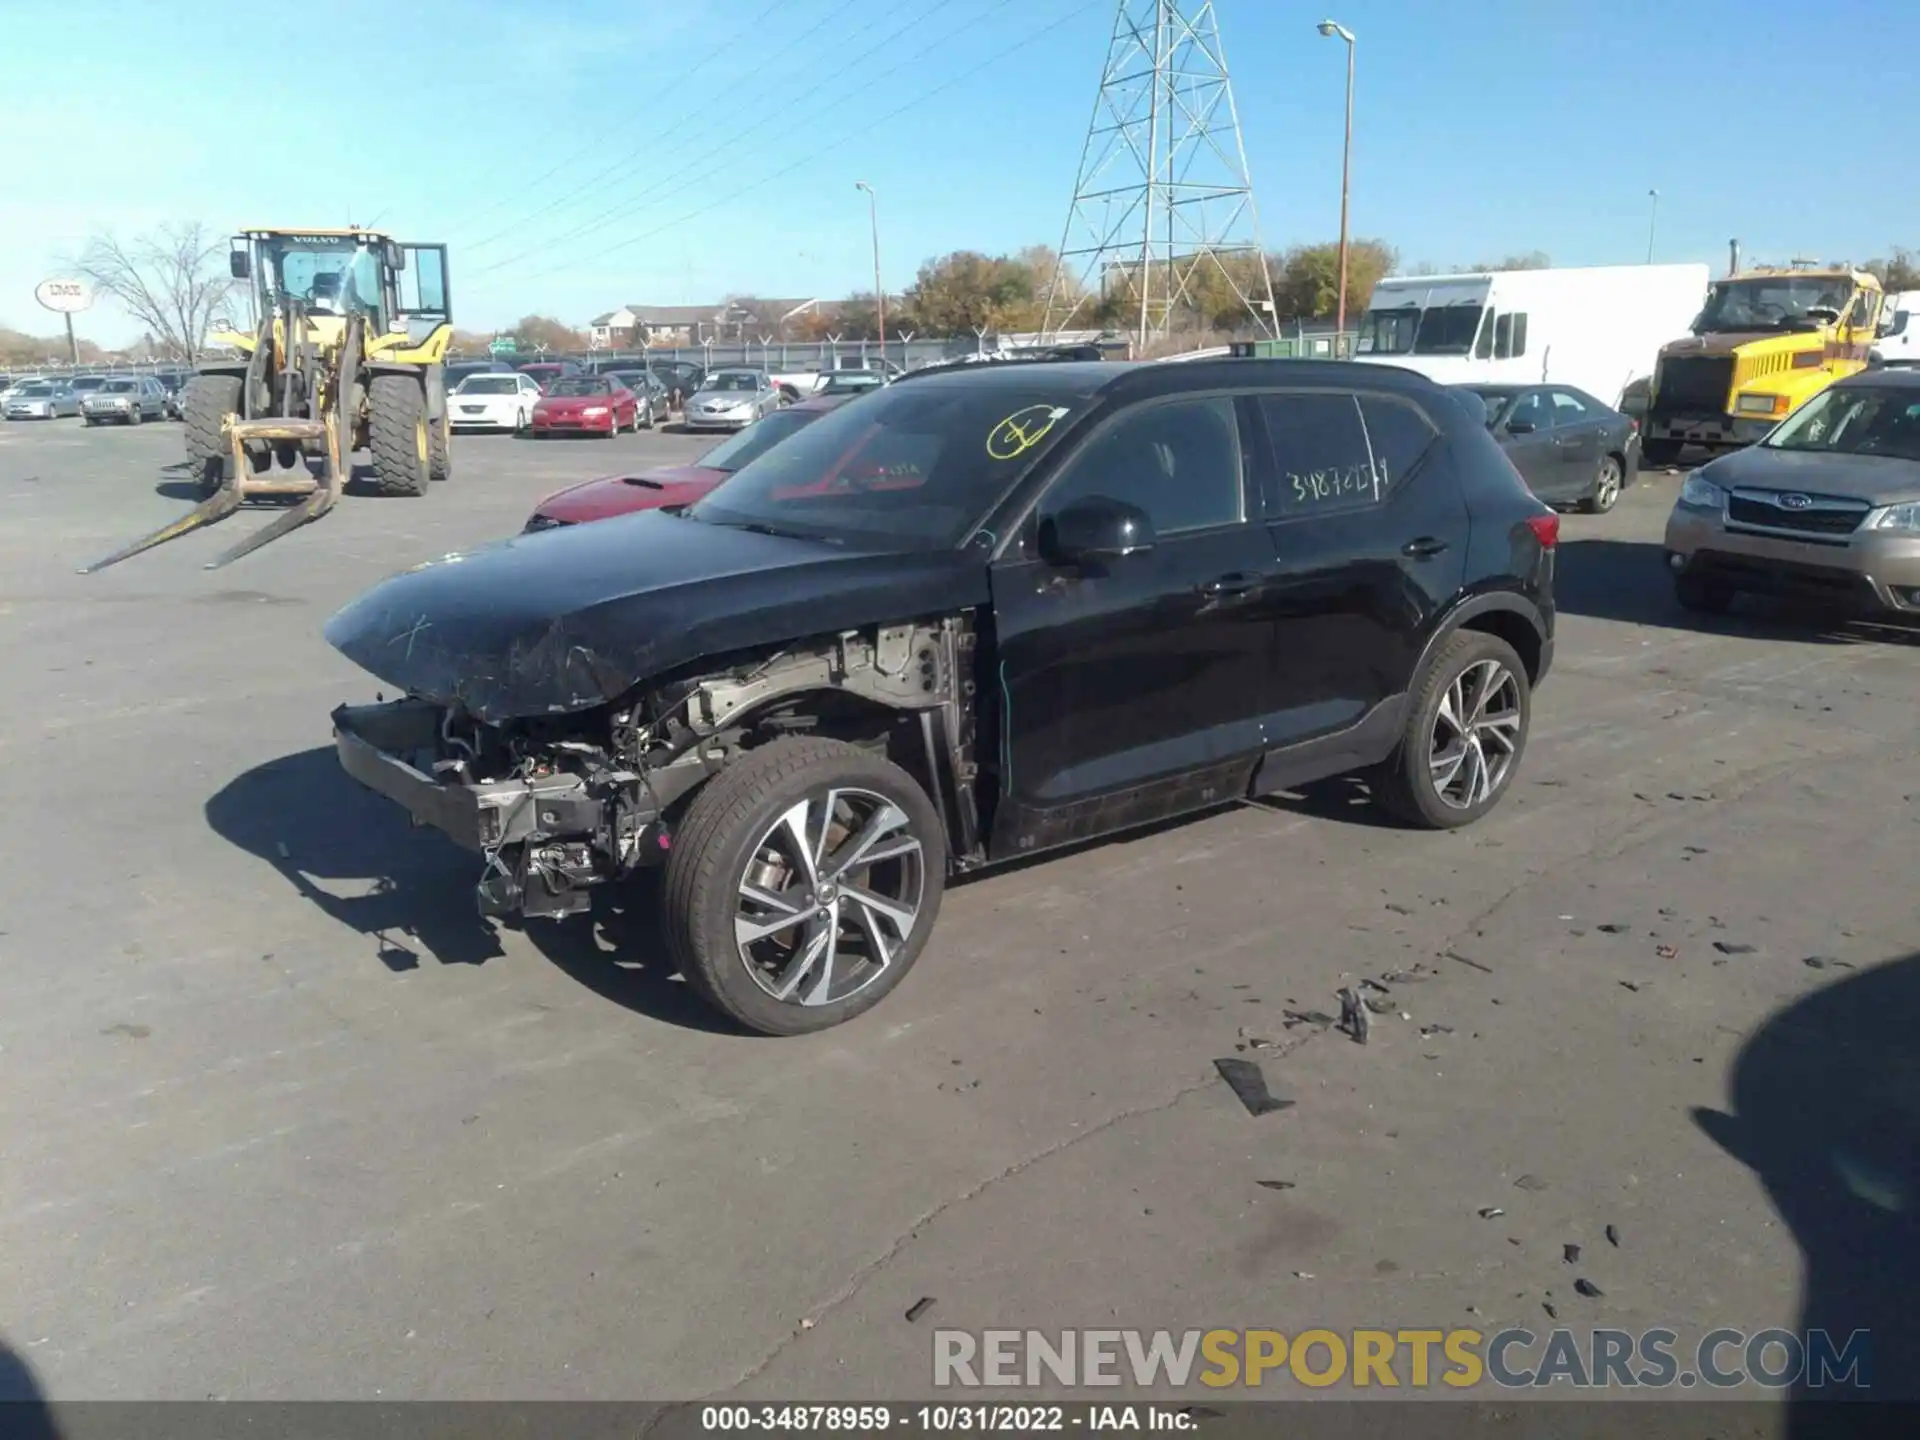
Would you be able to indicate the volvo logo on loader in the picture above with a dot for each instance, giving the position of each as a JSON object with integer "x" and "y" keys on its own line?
{"x": 343, "y": 359}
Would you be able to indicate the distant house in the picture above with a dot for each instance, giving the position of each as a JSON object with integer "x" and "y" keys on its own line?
{"x": 739, "y": 319}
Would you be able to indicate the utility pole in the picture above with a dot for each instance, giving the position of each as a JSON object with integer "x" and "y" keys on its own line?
{"x": 1653, "y": 218}
{"x": 1162, "y": 197}
{"x": 1331, "y": 30}
{"x": 879, "y": 294}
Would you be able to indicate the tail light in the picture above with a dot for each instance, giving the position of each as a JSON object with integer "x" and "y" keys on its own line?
{"x": 1545, "y": 528}
{"x": 1634, "y": 423}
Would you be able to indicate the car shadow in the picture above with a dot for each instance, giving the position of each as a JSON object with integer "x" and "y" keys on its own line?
{"x": 1826, "y": 1111}
{"x": 1628, "y": 581}
{"x": 410, "y": 891}
{"x": 24, "y": 1412}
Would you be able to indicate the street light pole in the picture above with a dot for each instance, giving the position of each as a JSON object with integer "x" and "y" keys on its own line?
{"x": 1653, "y": 217}
{"x": 879, "y": 295}
{"x": 1332, "y": 30}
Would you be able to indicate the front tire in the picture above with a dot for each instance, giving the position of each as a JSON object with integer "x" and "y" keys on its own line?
{"x": 398, "y": 434}
{"x": 1466, "y": 731}
{"x": 1606, "y": 487}
{"x": 204, "y": 408}
{"x": 440, "y": 449}
{"x": 802, "y": 884}
{"x": 1702, "y": 594}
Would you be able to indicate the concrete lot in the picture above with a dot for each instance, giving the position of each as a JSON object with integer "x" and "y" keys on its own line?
{"x": 281, "y": 1117}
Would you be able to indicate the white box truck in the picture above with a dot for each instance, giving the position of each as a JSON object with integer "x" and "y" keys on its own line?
{"x": 1898, "y": 342}
{"x": 1598, "y": 328}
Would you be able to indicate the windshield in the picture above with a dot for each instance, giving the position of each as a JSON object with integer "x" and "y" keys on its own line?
{"x": 848, "y": 384}
{"x": 756, "y": 439}
{"x": 732, "y": 380}
{"x": 1496, "y": 401}
{"x": 580, "y": 385}
{"x": 35, "y": 388}
{"x": 326, "y": 275}
{"x": 488, "y": 385}
{"x": 1866, "y": 420}
{"x": 1388, "y": 332}
{"x": 1771, "y": 302}
{"x": 116, "y": 387}
{"x": 914, "y": 467}
{"x": 632, "y": 379}
{"x": 86, "y": 382}
{"x": 1447, "y": 329}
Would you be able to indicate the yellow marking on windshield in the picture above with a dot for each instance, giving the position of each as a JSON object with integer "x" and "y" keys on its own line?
{"x": 1023, "y": 430}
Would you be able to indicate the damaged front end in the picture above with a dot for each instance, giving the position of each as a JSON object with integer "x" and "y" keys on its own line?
{"x": 557, "y": 804}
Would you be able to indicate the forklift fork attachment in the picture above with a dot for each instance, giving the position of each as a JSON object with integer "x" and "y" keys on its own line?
{"x": 240, "y": 485}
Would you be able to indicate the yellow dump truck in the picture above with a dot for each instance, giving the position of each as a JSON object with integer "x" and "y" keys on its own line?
{"x": 1768, "y": 341}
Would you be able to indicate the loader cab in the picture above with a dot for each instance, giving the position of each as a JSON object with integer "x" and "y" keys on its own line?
{"x": 397, "y": 287}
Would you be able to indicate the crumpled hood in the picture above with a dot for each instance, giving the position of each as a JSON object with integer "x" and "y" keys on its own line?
{"x": 1877, "y": 479}
{"x": 620, "y": 494}
{"x": 570, "y": 618}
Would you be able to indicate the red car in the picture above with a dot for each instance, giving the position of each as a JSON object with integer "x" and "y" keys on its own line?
{"x": 586, "y": 405}
{"x": 675, "y": 484}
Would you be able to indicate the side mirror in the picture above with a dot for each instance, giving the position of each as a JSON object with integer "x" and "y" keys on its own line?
{"x": 1521, "y": 427}
{"x": 1095, "y": 529}
{"x": 238, "y": 265}
{"x": 396, "y": 257}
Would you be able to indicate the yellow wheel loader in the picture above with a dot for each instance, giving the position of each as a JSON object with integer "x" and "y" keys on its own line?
{"x": 353, "y": 327}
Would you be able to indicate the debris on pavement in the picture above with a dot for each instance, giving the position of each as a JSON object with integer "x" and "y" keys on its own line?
{"x": 1613, "y": 1236}
{"x": 1436, "y": 1030}
{"x": 1458, "y": 958}
{"x": 1588, "y": 1289}
{"x": 1547, "y": 1305}
{"x": 1665, "y": 952}
{"x": 1276, "y": 1184}
{"x": 1825, "y": 962}
{"x": 1355, "y": 1019}
{"x": 919, "y": 1308}
{"x": 1249, "y": 1082}
{"x": 1570, "y": 1253}
{"x": 1258, "y": 1042}
{"x": 1613, "y": 927}
{"x": 1291, "y": 1018}
{"x": 1632, "y": 985}
{"x": 1733, "y": 947}
{"x": 1398, "y": 909}
{"x": 1530, "y": 1182}
{"x": 1491, "y": 1212}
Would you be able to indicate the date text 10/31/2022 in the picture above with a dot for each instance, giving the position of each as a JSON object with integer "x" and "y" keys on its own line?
{"x": 949, "y": 1419}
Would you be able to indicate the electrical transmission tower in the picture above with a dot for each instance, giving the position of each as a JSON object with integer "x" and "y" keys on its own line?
{"x": 1163, "y": 210}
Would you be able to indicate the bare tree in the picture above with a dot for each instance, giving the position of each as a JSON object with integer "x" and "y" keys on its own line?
{"x": 168, "y": 280}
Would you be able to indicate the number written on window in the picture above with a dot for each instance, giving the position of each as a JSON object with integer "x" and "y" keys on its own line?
{"x": 1336, "y": 451}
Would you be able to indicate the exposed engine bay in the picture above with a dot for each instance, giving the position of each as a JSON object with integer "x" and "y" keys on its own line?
{"x": 555, "y": 805}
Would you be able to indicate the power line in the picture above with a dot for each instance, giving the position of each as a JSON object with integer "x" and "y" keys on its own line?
{"x": 635, "y": 203}
{"x": 714, "y": 54}
{"x": 639, "y": 155}
{"x": 920, "y": 99}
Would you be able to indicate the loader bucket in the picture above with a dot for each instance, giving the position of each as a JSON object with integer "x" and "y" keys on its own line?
{"x": 240, "y": 486}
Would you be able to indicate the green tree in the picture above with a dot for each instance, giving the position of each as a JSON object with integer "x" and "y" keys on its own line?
{"x": 1531, "y": 260}
{"x": 1307, "y": 285}
{"x": 957, "y": 293}
{"x": 1900, "y": 270}
{"x": 531, "y": 332}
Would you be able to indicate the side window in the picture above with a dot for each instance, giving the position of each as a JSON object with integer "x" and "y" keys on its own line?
{"x": 1510, "y": 336}
{"x": 1530, "y": 412}
{"x": 1322, "y": 462}
{"x": 1567, "y": 409}
{"x": 1398, "y": 435}
{"x": 1865, "y": 305}
{"x": 1179, "y": 463}
{"x": 1896, "y": 322}
{"x": 1483, "y": 348}
{"x": 423, "y": 284}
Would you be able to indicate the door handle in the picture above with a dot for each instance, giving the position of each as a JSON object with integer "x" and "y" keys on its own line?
{"x": 1235, "y": 582}
{"x": 1425, "y": 546}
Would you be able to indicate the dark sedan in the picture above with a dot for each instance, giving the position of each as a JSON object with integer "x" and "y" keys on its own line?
{"x": 1570, "y": 448}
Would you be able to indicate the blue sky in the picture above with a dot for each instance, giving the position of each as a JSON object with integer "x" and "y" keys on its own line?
{"x": 724, "y": 151}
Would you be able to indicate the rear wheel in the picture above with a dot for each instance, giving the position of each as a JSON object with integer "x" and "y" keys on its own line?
{"x": 440, "y": 449}
{"x": 803, "y": 884}
{"x": 1466, "y": 731}
{"x": 399, "y": 435}
{"x": 1606, "y": 487}
{"x": 137, "y": 415}
{"x": 207, "y": 402}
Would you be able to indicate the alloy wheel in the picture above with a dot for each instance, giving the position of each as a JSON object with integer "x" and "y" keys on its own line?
{"x": 829, "y": 896}
{"x": 1476, "y": 735}
{"x": 1606, "y": 489}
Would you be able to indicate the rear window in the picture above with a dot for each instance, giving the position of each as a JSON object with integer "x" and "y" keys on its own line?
{"x": 917, "y": 467}
{"x": 581, "y": 385}
{"x": 489, "y": 385}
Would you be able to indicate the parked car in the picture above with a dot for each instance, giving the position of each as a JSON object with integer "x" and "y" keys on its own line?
{"x": 13, "y": 383}
{"x": 42, "y": 400}
{"x": 732, "y": 399}
{"x": 956, "y": 623}
{"x": 682, "y": 377}
{"x": 1567, "y": 446}
{"x": 457, "y": 373}
{"x": 493, "y": 401}
{"x": 545, "y": 372}
{"x": 585, "y": 405}
{"x": 175, "y": 384}
{"x": 654, "y": 402}
{"x": 1825, "y": 509}
{"x": 81, "y": 385}
{"x": 670, "y": 485}
{"x": 124, "y": 400}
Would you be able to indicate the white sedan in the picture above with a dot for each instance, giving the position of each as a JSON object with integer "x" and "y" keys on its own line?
{"x": 493, "y": 402}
